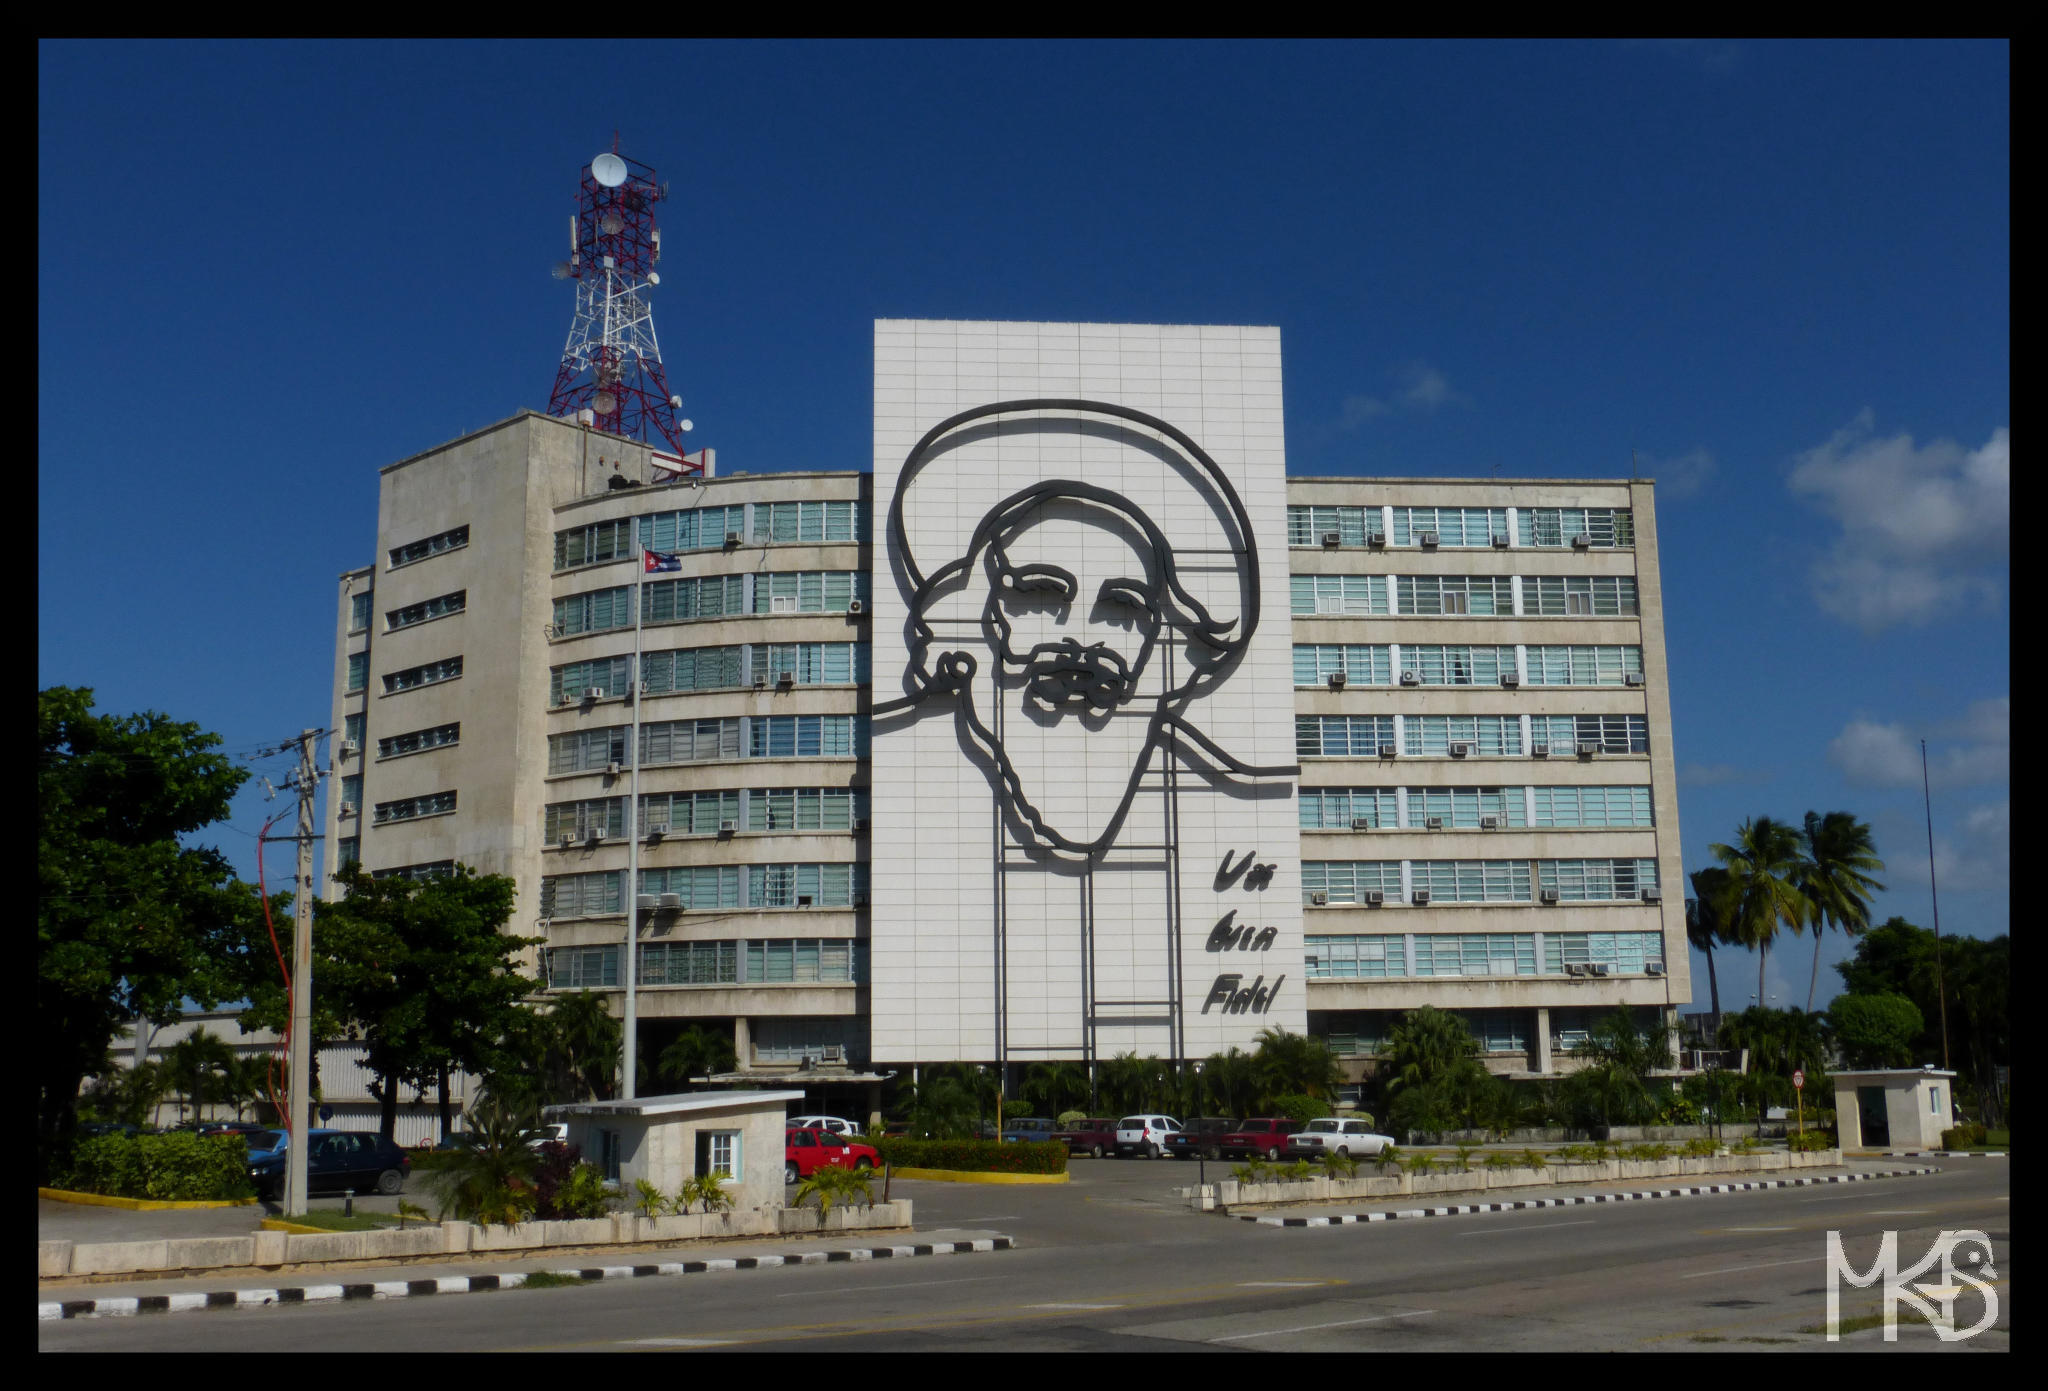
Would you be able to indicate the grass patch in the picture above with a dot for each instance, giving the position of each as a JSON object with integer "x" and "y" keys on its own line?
{"x": 1705, "y": 1338}
{"x": 1766, "y": 1340}
{"x": 550, "y": 1280}
{"x": 1907, "y": 1314}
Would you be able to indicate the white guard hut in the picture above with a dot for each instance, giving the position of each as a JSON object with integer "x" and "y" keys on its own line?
{"x": 1897, "y": 1108}
{"x": 666, "y": 1139}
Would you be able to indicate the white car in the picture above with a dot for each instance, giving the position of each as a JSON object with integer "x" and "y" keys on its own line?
{"x": 1145, "y": 1135}
{"x": 1335, "y": 1135}
{"x": 546, "y": 1131}
{"x": 831, "y": 1123}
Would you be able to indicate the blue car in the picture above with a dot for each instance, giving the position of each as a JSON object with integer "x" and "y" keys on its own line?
{"x": 337, "y": 1160}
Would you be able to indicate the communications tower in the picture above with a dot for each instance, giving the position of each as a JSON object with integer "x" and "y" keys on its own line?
{"x": 611, "y": 365}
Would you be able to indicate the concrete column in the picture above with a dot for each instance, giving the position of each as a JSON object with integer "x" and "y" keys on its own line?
{"x": 874, "y": 1108}
{"x": 1542, "y": 1039}
{"x": 742, "y": 1042}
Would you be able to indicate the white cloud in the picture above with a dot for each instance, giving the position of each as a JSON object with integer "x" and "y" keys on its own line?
{"x": 1680, "y": 476}
{"x": 1976, "y": 857}
{"x": 1359, "y": 409}
{"x": 1427, "y": 388}
{"x": 1961, "y": 753}
{"x": 1421, "y": 388}
{"x": 1924, "y": 528}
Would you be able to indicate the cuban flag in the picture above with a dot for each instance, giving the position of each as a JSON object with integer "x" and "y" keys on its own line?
{"x": 660, "y": 562}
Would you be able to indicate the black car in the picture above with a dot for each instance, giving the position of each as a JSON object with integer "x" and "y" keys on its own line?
{"x": 1198, "y": 1137}
{"x": 338, "y": 1160}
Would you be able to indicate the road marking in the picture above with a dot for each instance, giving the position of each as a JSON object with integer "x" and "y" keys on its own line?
{"x": 677, "y": 1342}
{"x": 1312, "y": 1327}
{"x": 863, "y": 1289}
{"x": 1757, "y": 1229}
{"x": 1073, "y": 1306}
{"x": 1840, "y": 1198}
{"x": 1764, "y": 1265}
{"x": 1281, "y": 1284}
{"x": 1541, "y": 1227}
{"x": 1900, "y": 1212}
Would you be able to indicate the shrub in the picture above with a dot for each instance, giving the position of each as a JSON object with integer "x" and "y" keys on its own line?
{"x": 648, "y": 1199}
{"x": 1421, "y": 1162}
{"x": 1963, "y": 1136}
{"x": 1067, "y": 1118}
{"x": 829, "y": 1184}
{"x": 1532, "y": 1160}
{"x": 1810, "y": 1142}
{"x": 1251, "y": 1171}
{"x": 1700, "y": 1148}
{"x": 581, "y": 1195}
{"x": 1499, "y": 1162}
{"x": 1339, "y": 1165}
{"x": 1299, "y": 1107}
{"x": 1646, "y": 1153}
{"x": 1299, "y": 1169}
{"x": 557, "y": 1162}
{"x": 975, "y": 1156}
{"x": 175, "y": 1167}
{"x": 1466, "y": 1149}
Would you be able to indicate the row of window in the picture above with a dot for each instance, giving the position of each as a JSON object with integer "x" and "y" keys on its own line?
{"x": 426, "y": 609}
{"x": 1481, "y": 736}
{"x": 1397, "y": 955}
{"x": 742, "y": 961}
{"x": 450, "y": 540}
{"x": 704, "y": 741}
{"x": 438, "y": 737}
{"x": 1475, "y": 881}
{"x": 714, "y": 668}
{"x": 711, "y": 596}
{"x": 411, "y": 808}
{"x": 708, "y": 528}
{"x": 1488, "y": 596}
{"x": 1465, "y": 664}
{"x": 701, "y": 887}
{"x": 426, "y": 674}
{"x": 1368, "y": 1032}
{"x": 1451, "y": 527}
{"x": 433, "y": 869}
{"x": 1467, "y": 808}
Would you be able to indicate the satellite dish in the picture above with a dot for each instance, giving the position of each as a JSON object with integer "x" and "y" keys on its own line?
{"x": 605, "y": 403}
{"x": 561, "y": 270}
{"x": 676, "y": 402}
{"x": 654, "y": 277}
{"x": 609, "y": 170}
{"x": 685, "y": 426}
{"x": 611, "y": 223}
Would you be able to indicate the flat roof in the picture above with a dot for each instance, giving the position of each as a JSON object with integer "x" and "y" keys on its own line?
{"x": 1894, "y": 1072}
{"x": 670, "y": 1105}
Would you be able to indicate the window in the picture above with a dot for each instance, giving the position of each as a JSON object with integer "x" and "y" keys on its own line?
{"x": 696, "y": 529}
{"x": 804, "y": 808}
{"x": 1597, "y": 881}
{"x": 596, "y": 612}
{"x": 358, "y": 671}
{"x": 1462, "y": 808}
{"x": 586, "y": 750}
{"x": 814, "y": 663}
{"x": 699, "y": 886}
{"x": 1592, "y": 807}
{"x": 1612, "y": 733}
{"x": 1475, "y": 954}
{"x": 600, "y": 815}
{"x": 359, "y": 609}
{"x": 1628, "y": 952}
{"x": 1593, "y": 596}
{"x": 581, "y": 895}
{"x": 1481, "y": 595}
{"x": 1374, "y": 957}
{"x": 1335, "y": 808}
{"x": 1342, "y": 736}
{"x": 788, "y": 1040}
{"x": 807, "y": 521}
{"x": 566, "y": 684}
{"x": 1362, "y": 664}
{"x": 1471, "y": 881}
{"x": 433, "y": 545}
{"x": 433, "y": 869}
{"x": 1348, "y": 881}
{"x": 1363, "y": 595}
{"x": 348, "y": 851}
{"x": 690, "y": 669}
{"x": 1306, "y": 526}
{"x": 438, "y": 736}
{"x": 1491, "y": 736}
{"x": 718, "y": 1152}
{"x": 808, "y": 591}
{"x": 583, "y": 968}
{"x": 806, "y": 886}
{"x": 693, "y": 597}
{"x": 690, "y": 813}
{"x": 412, "y": 808}
{"x": 1440, "y": 664}
{"x": 421, "y": 612}
{"x": 431, "y": 674}
{"x": 690, "y": 963}
{"x": 808, "y": 736}
{"x": 352, "y": 790}
{"x": 1583, "y": 666}
{"x": 593, "y": 544}
{"x": 1454, "y": 526}
{"x": 1556, "y": 526}
{"x": 825, "y": 960}
{"x": 690, "y": 741}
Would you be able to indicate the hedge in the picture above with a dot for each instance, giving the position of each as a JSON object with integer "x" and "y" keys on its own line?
{"x": 975, "y": 1156}
{"x": 174, "y": 1167}
{"x": 1966, "y": 1136}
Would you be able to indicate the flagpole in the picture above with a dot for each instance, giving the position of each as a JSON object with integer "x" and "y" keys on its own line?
{"x": 627, "y": 1084}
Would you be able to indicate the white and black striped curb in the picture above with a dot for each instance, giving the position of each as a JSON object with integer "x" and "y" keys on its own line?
{"x": 1526, "y": 1204}
{"x": 1948, "y": 1154}
{"x": 468, "y": 1284}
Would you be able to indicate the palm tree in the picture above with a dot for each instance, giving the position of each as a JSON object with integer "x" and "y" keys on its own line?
{"x": 1840, "y": 857}
{"x": 1130, "y": 1081}
{"x": 696, "y": 1051}
{"x": 941, "y": 1109}
{"x": 245, "y": 1081}
{"x": 491, "y": 1179}
{"x": 1051, "y": 1088}
{"x": 1428, "y": 1045}
{"x": 1232, "y": 1080}
{"x": 1289, "y": 1064}
{"x": 1763, "y": 893}
{"x": 1706, "y": 922}
{"x": 195, "y": 1065}
{"x": 590, "y": 1043}
{"x": 1620, "y": 1056}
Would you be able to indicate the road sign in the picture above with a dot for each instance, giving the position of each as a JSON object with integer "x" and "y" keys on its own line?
{"x": 1799, "y": 1080}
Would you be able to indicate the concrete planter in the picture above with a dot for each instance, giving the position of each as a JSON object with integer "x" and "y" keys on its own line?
{"x": 795, "y": 1221}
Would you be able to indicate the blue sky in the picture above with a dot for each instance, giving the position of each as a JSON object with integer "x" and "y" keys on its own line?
{"x": 1778, "y": 274}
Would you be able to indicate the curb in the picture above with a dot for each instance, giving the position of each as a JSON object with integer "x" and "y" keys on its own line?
{"x": 975, "y": 1176}
{"x": 1525, "y": 1204}
{"x": 1947, "y": 1154}
{"x": 469, "y": 1284}
{"x": 65, "y": 1195}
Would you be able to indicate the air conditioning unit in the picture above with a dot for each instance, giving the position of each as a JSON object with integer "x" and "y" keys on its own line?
{"x": 1426, "y": 539}
{"x": 349, "y": 749}
{"x": 1411, "y": 678}
{"x": 1548, "y": 895}
{"x": 1511, "y": 679}
{"x": 785, "y": 678}
{"x": 567, "y": 837}
{"x": 1500, "y": 541}
{"x": 854, "y": 606}
{"x": 1361, "y": 823}
{"x": 1633, "y": 678}
{"x": 1489, "y": 823}
{"x": 645, "y": 902}
{"x": 1596, "y": 968}
{"x": 671, "y": 902}
{"x": 732, "y": 538}
{"x": 1539, "y": 750}
{"x": 1460, "y": 750}
{"x": 726, "y": 828}
{"x": 1653, "y": 895}
{"x": 1331, "y": 538}
{"x": 595, "y": 835}
{"x": 655, "y": 834}
{"x": 860, "y": 900}
{"x": 1374, "y": 898}
{"x": 1587, "y": 749}
{"x": 1388, "y": 751}
{"x": 860, "y": 823}
{"x": 1336, "y": 680}
{"x": 1583, "y": 541}
{"x": 1433, "y": 823}
{"x": 347, "y": 809}
{"x": 1376, "y": 538}
{"x": 1319, "y": 900}
{"x": 803, "y": 900}
{"x": 832, "y": 1053}
{"x": 1420, "y": 898}
{"x": 611, "y": 770}
{"x": 1573, "y": 968}
{"x": 1655, "y": 968}
{"x": 760, "y": 680}
{"x": 592, "y": 693}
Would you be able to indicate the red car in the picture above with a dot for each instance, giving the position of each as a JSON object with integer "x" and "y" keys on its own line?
{"x": 806, "y": 1151}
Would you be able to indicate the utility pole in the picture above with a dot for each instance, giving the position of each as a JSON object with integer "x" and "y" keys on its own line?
{"x": 1940, "y": 991}
{"x": 306, "y": 780}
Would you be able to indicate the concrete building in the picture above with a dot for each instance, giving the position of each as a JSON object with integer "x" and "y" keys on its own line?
{"x": 1332, "y": 748}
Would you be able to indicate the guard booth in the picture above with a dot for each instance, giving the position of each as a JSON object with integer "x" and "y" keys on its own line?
{"x": 667, "y": 1139}
{"x": 1895, "y": 1108}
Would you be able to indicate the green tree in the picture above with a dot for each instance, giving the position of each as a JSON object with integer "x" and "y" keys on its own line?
{"x": 1706, "y": 922}
{"x": 1428, "y": 1045}
{"x": 1975, "y": 976}
{"x": 1130, "y": 1084}
{"x": 1232, "y": 1081}
{"x": 941, "y": 1109}
{"x": 196, "y": 1064}
{"x": 1050, "y": 1088}
{"x": 245, "y": 1082}
{"x": 1875, "y": 1030}
{"x": 585, "y": 1046}
{"x": 1620, "y": 1054}
{"x": 1836, "y": 879}
{"x": 1296, "y": 1064}
{"x": 696, "y": 1052}
{"x": 1763, "y": 893}
{"x": 129, "y": 921}
{"x": 491, "y": 1179}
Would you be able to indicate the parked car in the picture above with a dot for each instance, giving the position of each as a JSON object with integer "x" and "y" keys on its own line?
{"x": 246, "y": 1129}
{"x": 547, "y": 1131}
{"x": 89, "y": 1129}
{"x": 336, "y": 1160}
{"x": 1029, "y": 1128}
{"x": 1145, "y": 1135}
{"x": 456, "y": 1140}
{"x": 1263, "y": 1137}
{"x": 1335, "y": 1135}
{"x": 1095, "y": 1136}
{"x": 1197, "y": 1138}
{"x": 806, "y": 1151}
{"x": 831, "y": 1123}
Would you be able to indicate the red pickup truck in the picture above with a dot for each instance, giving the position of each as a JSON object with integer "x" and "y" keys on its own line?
{"x": 1095, "y": 1137}
{"x": 1263, "y": 1137}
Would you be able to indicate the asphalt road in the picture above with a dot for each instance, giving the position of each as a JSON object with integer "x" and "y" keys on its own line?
{"x": 1110, "y": 1262}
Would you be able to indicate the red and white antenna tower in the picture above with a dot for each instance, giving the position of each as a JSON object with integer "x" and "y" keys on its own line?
{"x": 611, "y": 365}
